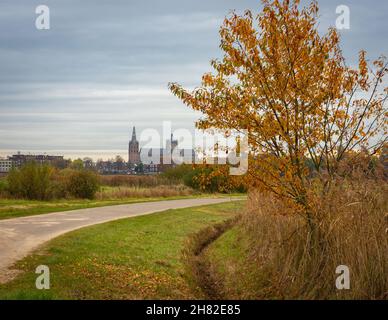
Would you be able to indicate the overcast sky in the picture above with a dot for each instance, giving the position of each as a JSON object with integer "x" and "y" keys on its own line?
{"x": 78, "y": 88}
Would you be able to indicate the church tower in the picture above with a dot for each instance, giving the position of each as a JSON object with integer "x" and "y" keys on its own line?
{"x": 133, "y": 150}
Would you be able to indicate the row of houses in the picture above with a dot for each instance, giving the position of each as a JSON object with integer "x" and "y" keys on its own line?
{"x": 19, "y": 159}
{"x": 105, "y": 167}
{"x": 5, "y": 165}
{"x": 111, "y": 167}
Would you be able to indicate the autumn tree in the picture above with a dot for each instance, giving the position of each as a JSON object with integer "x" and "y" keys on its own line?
{"x": 291, "y": 89}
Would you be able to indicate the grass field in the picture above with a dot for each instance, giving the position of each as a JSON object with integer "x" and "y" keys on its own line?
{"x": 136, "y": 258}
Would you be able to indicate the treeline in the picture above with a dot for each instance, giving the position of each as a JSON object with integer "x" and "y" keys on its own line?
{"x": 43, "y": 182}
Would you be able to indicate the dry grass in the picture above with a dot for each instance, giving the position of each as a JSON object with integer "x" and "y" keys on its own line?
{"x": 134, "y": 181}
{"x": 288, "y": 261}
{"x": 138, "y": 192}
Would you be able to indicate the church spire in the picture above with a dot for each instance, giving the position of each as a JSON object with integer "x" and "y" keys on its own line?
{"x": 133, "y": 149}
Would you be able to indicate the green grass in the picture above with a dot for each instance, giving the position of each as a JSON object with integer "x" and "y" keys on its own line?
{"x": 136, "y": 258}
{"x": 14, "y": 208}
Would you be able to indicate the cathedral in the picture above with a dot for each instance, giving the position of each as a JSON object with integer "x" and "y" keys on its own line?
{"x": 165, "y": 154}
{"x": 133, "y": 150}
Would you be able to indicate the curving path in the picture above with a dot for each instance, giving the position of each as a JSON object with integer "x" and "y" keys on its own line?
{"x": 19, "y": 236}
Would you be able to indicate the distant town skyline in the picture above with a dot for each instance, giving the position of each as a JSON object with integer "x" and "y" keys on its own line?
{"x": 77, "y": 89}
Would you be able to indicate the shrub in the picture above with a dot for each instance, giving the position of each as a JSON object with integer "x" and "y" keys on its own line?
{"x": 32, "y": 181}
{"x": 207, "y": 178}
{"x": 178, "y": 173}
{"x": 42, "y": 182}
{"x": 3, "y": 187}
{"x": 82, "y": 183}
